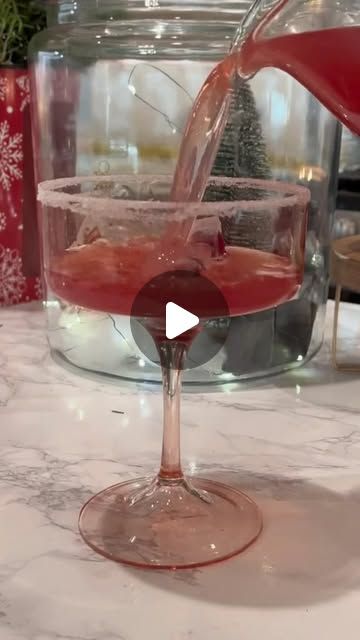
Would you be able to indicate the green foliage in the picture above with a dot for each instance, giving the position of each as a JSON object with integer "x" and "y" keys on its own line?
{"x": 19, "y": 21}
{"x": 242, "y": 152}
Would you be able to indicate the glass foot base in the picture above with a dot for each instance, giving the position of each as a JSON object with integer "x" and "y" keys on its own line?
{"x": 168, "y": 524}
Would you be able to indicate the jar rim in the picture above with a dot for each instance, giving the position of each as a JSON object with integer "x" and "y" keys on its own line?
{"x": 149, "y": 39}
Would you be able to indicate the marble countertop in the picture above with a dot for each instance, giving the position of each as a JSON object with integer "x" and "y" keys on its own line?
{"x": 292, "y": 442}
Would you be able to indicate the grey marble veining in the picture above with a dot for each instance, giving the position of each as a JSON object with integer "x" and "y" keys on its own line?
{"x": 292, "y": 442}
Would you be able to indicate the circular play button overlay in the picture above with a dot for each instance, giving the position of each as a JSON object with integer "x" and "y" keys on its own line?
{"x": 182, "y": 306}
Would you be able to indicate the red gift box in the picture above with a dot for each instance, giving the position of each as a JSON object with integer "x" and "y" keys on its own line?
{"x": 19, "y": 246}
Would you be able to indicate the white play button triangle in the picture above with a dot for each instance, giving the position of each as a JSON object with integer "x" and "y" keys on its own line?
{"x": 178, "y": 320}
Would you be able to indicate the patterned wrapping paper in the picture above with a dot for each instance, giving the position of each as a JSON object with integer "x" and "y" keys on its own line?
{"x": 19, "y": 252}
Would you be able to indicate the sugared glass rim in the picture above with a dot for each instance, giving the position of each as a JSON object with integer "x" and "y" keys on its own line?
{"x": 50, "y": 195}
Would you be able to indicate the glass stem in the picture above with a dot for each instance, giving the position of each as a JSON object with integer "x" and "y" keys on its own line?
{"x": 172, "y": 356}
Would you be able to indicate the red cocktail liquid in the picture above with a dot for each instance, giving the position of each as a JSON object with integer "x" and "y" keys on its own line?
{"x": 108, "y": 277}
{"x": 326, "y": 62}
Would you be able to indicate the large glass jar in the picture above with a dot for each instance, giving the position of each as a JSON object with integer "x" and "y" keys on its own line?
{"x": 114, "y": 82}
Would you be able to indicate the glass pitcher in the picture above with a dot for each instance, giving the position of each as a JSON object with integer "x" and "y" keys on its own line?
{"x": 114, "y": 83}
{"x": 316, "y": 42}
